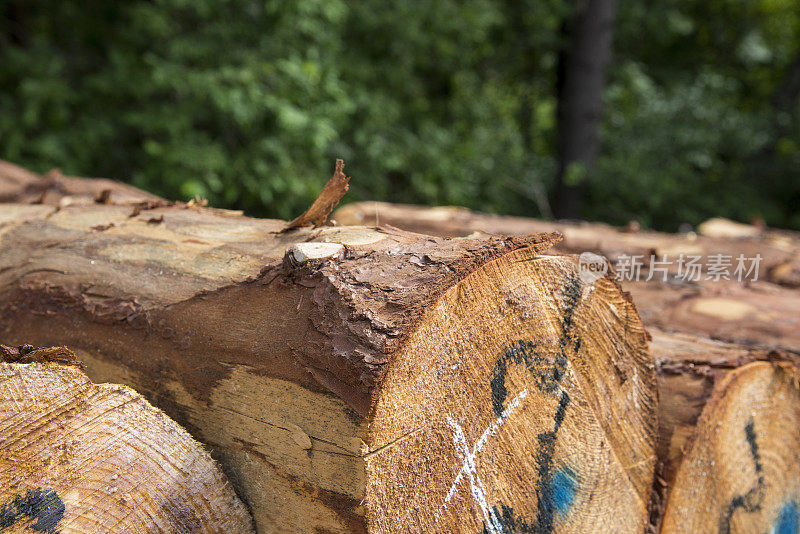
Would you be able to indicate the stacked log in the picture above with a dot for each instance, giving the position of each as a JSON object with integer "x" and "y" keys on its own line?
{"x": 780, "y": 249}
{"x": 716, "y": 343}
{"x": 368, "y": 379}
{"x": 82, "y": 457}
{"x": 741, "y": 472}
{"x": 18, "y": 185}
{"x": 355, "y": 379}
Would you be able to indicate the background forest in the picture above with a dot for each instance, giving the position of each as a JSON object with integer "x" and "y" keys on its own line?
{"x": 490, "y": 104}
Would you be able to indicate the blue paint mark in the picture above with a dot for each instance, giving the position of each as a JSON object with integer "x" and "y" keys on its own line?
{"x": 749, "y": 502}
{"x": 788, "y": 521}
{"x": 42, "y": 505}
{"x": 562, "y": 490}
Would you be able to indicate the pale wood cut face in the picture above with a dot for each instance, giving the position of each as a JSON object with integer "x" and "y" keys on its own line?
{"x": 80, "y": 457}
{"x": 524, "y": 401}
{"x": 742, "y": 472}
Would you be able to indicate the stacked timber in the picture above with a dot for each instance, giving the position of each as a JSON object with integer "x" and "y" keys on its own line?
{"x": 741, "y": 472}
{"x": 82, "y": 457}
{"x": 780, "y": 249}
{"x": 726, "y": 353}
{"x": 354, "y": 379}
{"x": 23, "y": 186}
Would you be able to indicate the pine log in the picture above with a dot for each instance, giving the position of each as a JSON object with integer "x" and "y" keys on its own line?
{"x": 764, "y": 313}
{"x": 23, "y": 186}
{"x": 758, "y": 314}
{"x": 780, "y": 249}
{"x": 688, "y": 367}
{"x": 82, "y": 457}
{"x": 355, "y": 379}
{"x": 741, "y": 473}
{"x": 701, "y": 333}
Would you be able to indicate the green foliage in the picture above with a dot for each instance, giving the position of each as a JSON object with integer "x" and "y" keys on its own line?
{"x": 238, "y": 101}
{"x": 248, "y": 103}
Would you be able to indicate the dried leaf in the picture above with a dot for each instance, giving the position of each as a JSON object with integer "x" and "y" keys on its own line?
{"x": 330, "y": 196}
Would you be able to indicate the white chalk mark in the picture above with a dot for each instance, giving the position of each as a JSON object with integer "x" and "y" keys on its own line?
{"x": 489, "y": 517}
{"x": 493, "y": 524}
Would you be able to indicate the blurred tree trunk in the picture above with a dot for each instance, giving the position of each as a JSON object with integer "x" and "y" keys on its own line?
{"x": 12, "y": 23}
{"x": 783, "y": 103}
{"x": 766, "y": 165}
{"x": 580, "y": 83}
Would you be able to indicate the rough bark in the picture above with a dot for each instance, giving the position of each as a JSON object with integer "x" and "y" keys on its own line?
{"x": 81, "y": 457}
{"x": 701, "y": 331}
{"x": 355, "y": 379}
{"x": 23, "y": 186}
{"x": 765, "y": 312}
{"x": 581, "y": 82}
{"x": 780, "y": 249}
{"x": 688, "y": 366}
{"x": 741, "y": 471}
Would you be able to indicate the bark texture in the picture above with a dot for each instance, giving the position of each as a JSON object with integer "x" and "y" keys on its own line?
{"x": 702, "y": 331}
{"x": 355, "y": 379}
{"x": 780, "y": 249}
{"x": 81, "y": 457}
{"x": 764, "y": 312}
{"x": 691, "y": 370}
{"x": 20, "y": 185}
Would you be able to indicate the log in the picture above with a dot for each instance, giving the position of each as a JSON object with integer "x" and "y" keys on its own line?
{"x": 742, "y": 470}
{"x": 82, "y": 457}
{"x": 764, "y": 312}
{"x": 757, "y": 314}
{"x": 23, "y": 186}
{"x": 780, "y": 249}
{"x": 355, "y": 379}
{"x": 702, "y": 332}
{"x": 688, "y": 367}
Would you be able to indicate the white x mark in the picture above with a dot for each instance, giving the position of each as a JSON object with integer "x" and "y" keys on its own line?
{"x": 491, "y": 520}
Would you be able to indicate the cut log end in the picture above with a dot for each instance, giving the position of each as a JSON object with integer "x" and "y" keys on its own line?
{"x": 358, "y": 379}
{"x": 523, "y": 401}
{"x": 80, "y": 457}
{"x": 742, "y": 471}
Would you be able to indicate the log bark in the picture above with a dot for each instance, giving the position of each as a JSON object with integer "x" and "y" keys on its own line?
{"x": 701, "y": 332}
{"x": 355, "y": 379}
{"x": 780, "y": 249}
{"x": 688, "y": 367}
{"x": 741, "y": 472}
{"x": 82, "y": 457}
{"x": 765, "y": 312}
{"x": 23, "y": 186}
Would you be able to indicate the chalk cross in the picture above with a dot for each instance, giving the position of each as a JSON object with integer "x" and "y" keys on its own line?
{"x": 468, "y": 468}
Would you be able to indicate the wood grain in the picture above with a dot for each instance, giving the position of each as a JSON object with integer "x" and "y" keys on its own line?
{"x": 702, "y": 330}
{"x": 296, "y": 373}
{"x": 742, "y": 471}
{"x": 80, "y": 457}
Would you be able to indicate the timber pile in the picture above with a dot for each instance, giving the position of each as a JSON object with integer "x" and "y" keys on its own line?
{"x": 354, "y": 379}
{"x": 717, "y": 345}
{"x": 23, "y": 186}
{"x": 81, "y": 457}
{"x": 742, "y": 471}
{"x": 780, "y": 249}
